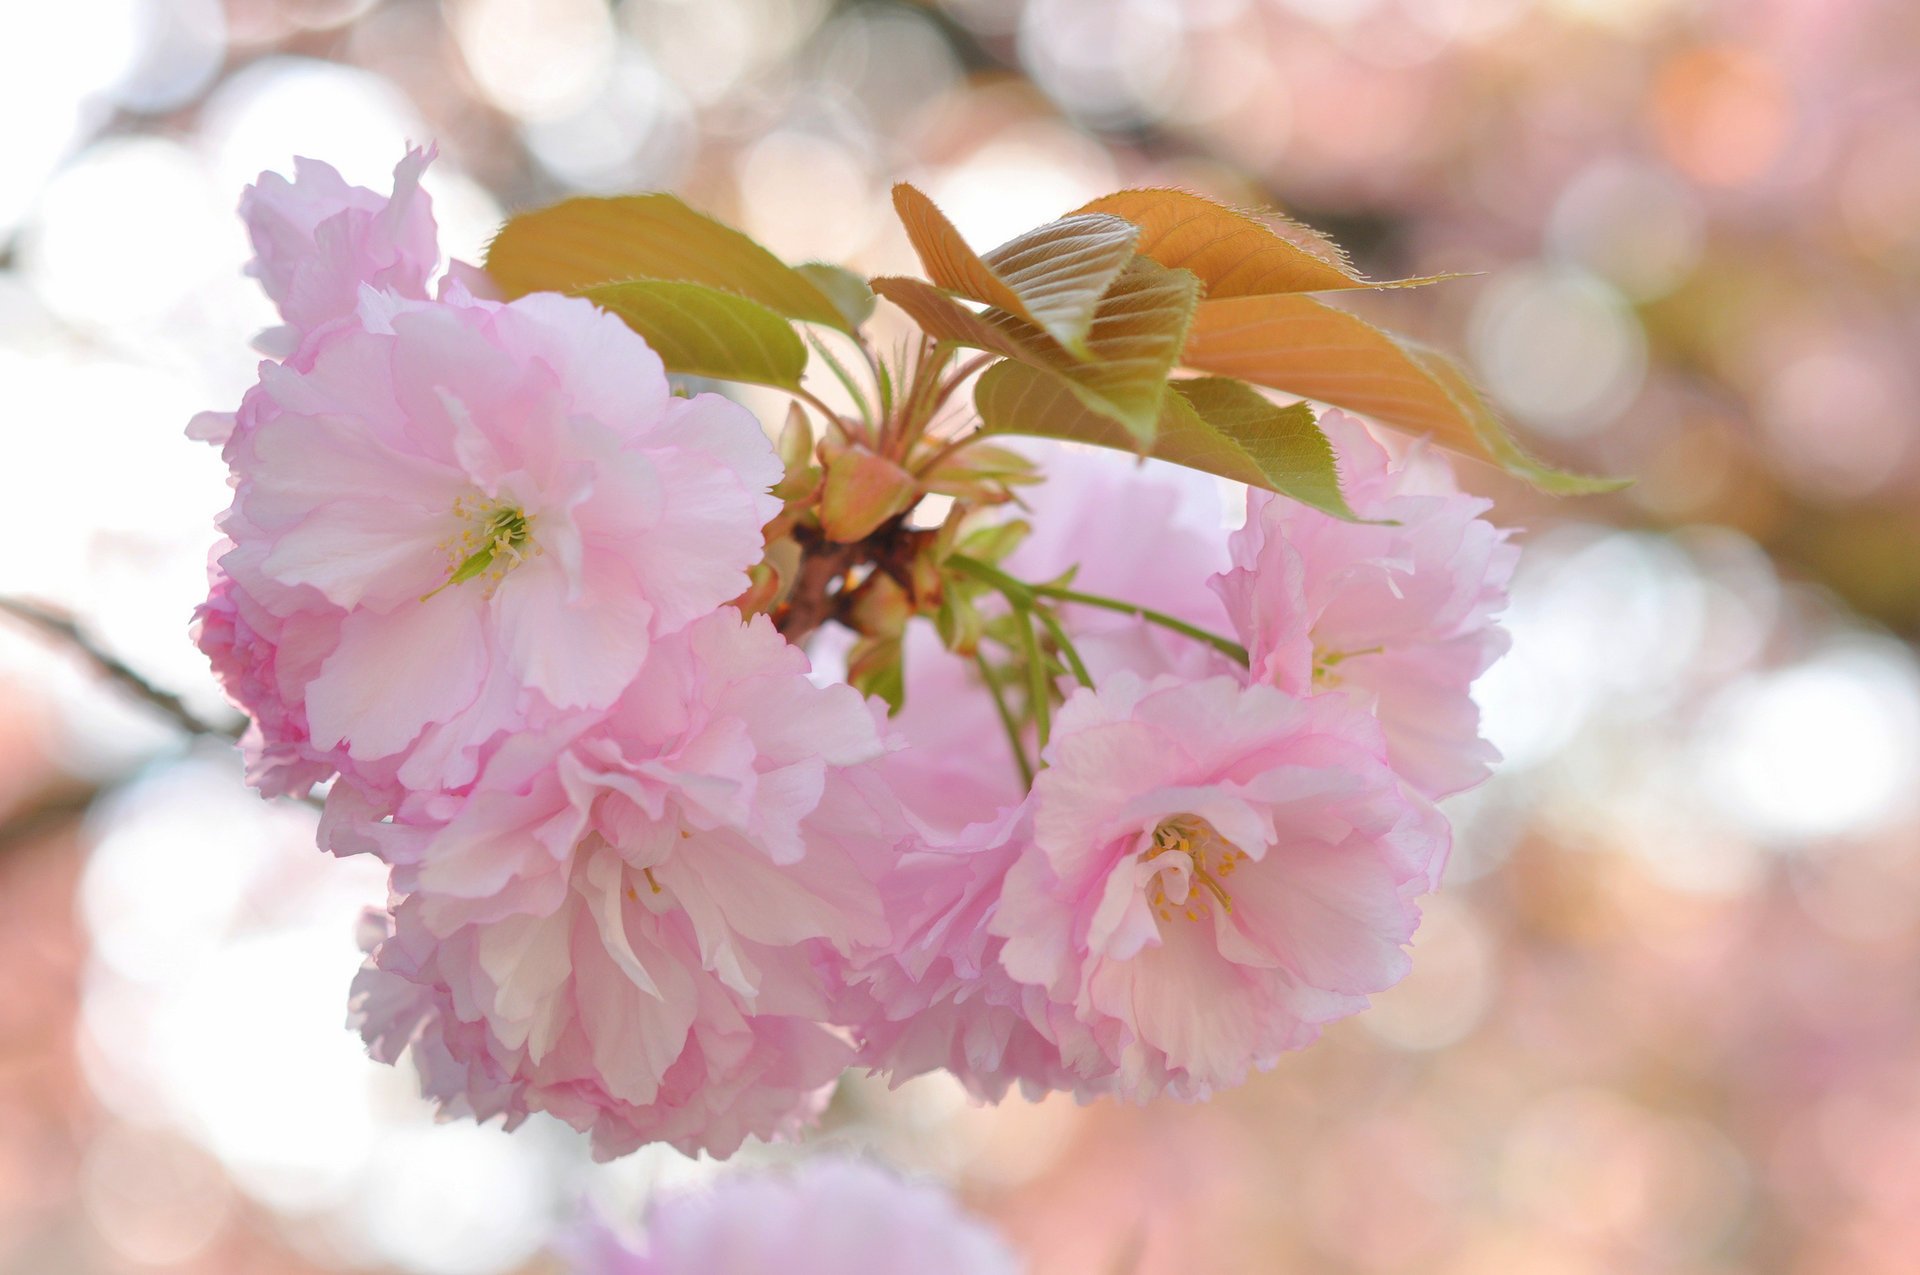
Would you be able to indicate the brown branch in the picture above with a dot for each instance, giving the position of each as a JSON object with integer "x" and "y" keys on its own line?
{"x": 809, "y": 605}
{"x": 890, "y": 550}
{"x": 63, "y": 629}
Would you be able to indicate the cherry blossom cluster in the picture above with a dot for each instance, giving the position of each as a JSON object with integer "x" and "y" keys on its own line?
{"x": 490, "y": 579}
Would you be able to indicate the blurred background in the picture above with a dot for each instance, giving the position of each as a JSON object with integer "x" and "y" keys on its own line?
{"x": 1665, "y": 1015}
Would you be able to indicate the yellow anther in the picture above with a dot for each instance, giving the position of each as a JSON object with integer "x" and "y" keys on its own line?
{"x": 495, "y": 541}
{"x": 1209, "y": 858}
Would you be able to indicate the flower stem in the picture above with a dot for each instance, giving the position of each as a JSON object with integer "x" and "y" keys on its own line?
{"x": 1065, "y": 644}
{"x": 992, "y": 680}
{"x": 1039, "y": 685}
{"x": 1015, "y": 590}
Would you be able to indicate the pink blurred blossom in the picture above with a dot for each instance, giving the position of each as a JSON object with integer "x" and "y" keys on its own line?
{"x": 825, "y": 1217}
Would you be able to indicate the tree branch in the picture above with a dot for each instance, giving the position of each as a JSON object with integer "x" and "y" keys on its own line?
{"x": 62, "y": 629}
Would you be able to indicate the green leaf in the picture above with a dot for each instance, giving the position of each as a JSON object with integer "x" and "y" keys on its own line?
{"x": 1053, "y": 277}
{"x": 957, "y": 620}
{"x": 702, "y": 331}
{"x": 1237, "y": 254}
{"x": 1229, "y": 428}
{"x": 1307, "y": 347}
{"x": 996, "y": 541}
{"x": 1217, "y": 426}
{"x": 580, "y": 243}
{"x": 847, "y": 290}
{"x": 1138, "y": 331}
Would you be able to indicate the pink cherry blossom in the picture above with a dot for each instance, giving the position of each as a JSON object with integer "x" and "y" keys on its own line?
{"x": 1142, "y": 533}
{"x": 643, "y": 927}
{"x": 491, "y": 510}
{"x": 1216, "y": 871}
{"x": 249, "y": 648}
{"x": 1399, "y": 616}
{"x": 940, "y": 998}
{"x": 317, "y": 240}
{"x": 824, "y": 1217}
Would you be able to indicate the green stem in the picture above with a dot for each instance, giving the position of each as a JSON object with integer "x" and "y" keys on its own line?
{"x": 1039, "y": 685}
{"x": 1066, "y": 646}
{"x": 1015, "y": 590}
{"x": 992, "y": 680}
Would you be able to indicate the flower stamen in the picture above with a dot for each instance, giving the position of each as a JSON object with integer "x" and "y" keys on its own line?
{"x": 497, "y": 539}
{"x": 1210, "y": 859}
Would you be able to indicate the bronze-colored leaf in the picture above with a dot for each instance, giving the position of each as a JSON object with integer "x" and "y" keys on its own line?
{"x": 1306, "y": 347}
{"x": 1053, "y": 276}
{"x": 1138, "y": 331}
{"x": 944, "y": 318}
{"x": 1236, "y": 254}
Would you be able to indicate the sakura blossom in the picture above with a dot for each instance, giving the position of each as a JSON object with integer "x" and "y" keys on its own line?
{"x": 1083, "y": 794}
{"x": 1398, "y": 613}
{"x": 477, "y": 514}
{"x": 643, "y": 927}
{"x": 941, "y": 998}
{"x": 1216, "y": 872}
{"x": 826, "y": 1216}
{"x": 318, "y": 240}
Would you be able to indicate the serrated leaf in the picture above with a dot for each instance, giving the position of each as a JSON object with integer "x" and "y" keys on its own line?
{"x": 1137, "y": 337}
{"x": 1211, "y": 424}
{"x": 1137, "y": 333}
{"x": 1236, "y": 254}
{"x": 1052, "y": 276}
{"x": 1234, "y": 430}
{"x": 580, "y": 243}
{"x": 943, "y": 318}
{"x": 847, "y": 290}
{"x": 705, "y": 332}
{"x": 1306, "y": 347}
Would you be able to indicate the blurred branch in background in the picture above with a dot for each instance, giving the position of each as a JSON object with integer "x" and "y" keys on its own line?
{"x": 63, "y": 629}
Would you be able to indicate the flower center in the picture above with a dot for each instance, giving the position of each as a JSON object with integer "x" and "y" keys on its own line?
{"x": 496, "y": 539}
{"x": 1326, "y": 664}
{"x": 1209, "y": 860}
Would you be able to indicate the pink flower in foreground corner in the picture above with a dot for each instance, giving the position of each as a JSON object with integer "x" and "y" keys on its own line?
{"x": 822, "y": 1217}
{"x": 1216, "y": 871}
{"x": 496, "y": 508}
{"x": 1400, "y": 616}
{"x": 643, "y": 931}
{"x": 316, "y": 240}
